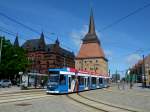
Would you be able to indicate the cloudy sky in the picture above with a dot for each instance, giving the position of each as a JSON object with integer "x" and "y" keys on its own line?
{"x": 124, "y": 43}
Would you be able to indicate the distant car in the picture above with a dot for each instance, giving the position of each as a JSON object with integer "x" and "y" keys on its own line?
{"x": 5, "y": 83}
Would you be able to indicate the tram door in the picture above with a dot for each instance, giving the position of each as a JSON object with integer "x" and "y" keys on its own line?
{"x": 69, "y": 83}
{"x": 97, "y": 82}
{"x": 86, "y": 83}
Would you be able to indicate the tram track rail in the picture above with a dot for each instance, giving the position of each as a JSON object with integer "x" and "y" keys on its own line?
{"x": 98, "y": 103}
{"x": 80, "y": 102}
{"x": 21, "y": 96}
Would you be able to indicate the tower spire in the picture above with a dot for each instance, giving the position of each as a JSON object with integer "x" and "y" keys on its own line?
{"x": 16, "y": 42}
{"x": 42, "y": 41}
{"x": 91, "y": 24}
{"x": 91, "y": 36}
{"x": 57, "y": 41}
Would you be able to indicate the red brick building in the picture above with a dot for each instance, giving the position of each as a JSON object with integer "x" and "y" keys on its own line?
{"x": 44, "y": 56}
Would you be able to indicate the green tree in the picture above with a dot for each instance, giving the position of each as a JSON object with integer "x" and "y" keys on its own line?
{"x": 13, "y": 60}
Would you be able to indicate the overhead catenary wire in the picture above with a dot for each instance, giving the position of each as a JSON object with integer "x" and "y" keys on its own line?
{"x": 9, "y": 33}
{"x": 125, "y": 17}
{"x": 28, "y": 27}
{"x": 17, "y": 22}
{"x": 104, "y": 28}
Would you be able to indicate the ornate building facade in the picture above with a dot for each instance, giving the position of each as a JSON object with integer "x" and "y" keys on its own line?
{"x": 91, "y": 56}
{"x": 142, "y": 71}
{"x": 43, "y": 56}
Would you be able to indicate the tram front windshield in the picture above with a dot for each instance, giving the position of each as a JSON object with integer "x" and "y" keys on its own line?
{"x": 53, "y": 79}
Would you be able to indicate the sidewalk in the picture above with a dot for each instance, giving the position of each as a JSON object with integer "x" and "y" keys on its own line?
{"x": 137, "y": 98}
{"x": 136, "y": 89}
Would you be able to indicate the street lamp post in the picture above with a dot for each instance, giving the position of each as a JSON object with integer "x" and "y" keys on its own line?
{"x": 143, "y": 73}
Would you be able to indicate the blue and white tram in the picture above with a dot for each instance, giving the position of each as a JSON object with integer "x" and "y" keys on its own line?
{"x": 67, "y": 80}
{"x": 59, "y": 80}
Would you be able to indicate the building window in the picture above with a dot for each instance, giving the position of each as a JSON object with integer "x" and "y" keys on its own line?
{"x": 47, "y": 64}
{"x": 96, "y": 61}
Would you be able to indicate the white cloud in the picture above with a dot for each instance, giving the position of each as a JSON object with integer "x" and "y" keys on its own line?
{"x": 108, "y": 53}
{"x": 76, "y": 36}
{"x": 132, "y": 59}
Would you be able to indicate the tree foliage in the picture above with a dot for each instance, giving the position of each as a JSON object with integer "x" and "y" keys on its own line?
{"x": 13, "y": 60}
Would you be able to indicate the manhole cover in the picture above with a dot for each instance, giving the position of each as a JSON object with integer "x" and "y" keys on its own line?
{"x": 23, "y": 104}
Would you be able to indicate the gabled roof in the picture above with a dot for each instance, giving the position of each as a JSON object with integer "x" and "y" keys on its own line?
{"x": 33, "y": 44}
{"x": 49, "y": 47}
{"x": 66, "y": 52}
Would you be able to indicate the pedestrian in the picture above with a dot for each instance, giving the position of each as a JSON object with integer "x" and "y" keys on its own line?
{"x": 42, "y": 83}
{"x": 118, "y": 82}
{"x": 123, "y": 84}
{"x": 73, "y": 85}
{"x": 131, "y": 85}
{"x": 77, "y": 85}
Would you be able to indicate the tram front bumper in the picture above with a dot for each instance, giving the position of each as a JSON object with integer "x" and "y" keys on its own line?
{"x": 52, "y": 91}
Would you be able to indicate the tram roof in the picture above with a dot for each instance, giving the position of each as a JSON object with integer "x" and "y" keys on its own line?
{"x": 73, "y": 71}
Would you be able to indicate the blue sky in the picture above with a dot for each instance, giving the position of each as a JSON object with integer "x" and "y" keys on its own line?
{"x": 123, "y": 44}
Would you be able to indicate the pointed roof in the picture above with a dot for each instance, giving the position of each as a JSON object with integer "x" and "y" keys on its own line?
{"x": 16, "y": 42}
{"x": 91, "y": 36}
{"x": 42, "y": 40}
{"x": 91, "y": 24}
{"x": 90, "y": 47}
{"x": 57, "y": 41}
{"x": 42, "y": 36}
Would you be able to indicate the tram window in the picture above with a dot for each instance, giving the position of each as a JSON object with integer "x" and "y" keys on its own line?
{"x": 93, "y": 80}
{"x": 100, "y": 80}
{"x": 81, "y": 80}
{"x": 53, "y": 72}
{"x": 73, "y": 77}
{"x": 62, "y": 80}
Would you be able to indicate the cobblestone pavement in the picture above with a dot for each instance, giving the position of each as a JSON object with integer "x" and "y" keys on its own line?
{"x": 136, "y": 98}
{"x": 10, "y": 89}
{"x": 50, "y": 103}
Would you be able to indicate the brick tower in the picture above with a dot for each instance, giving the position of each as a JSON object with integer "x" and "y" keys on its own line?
{"x": 91, "y": 56}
